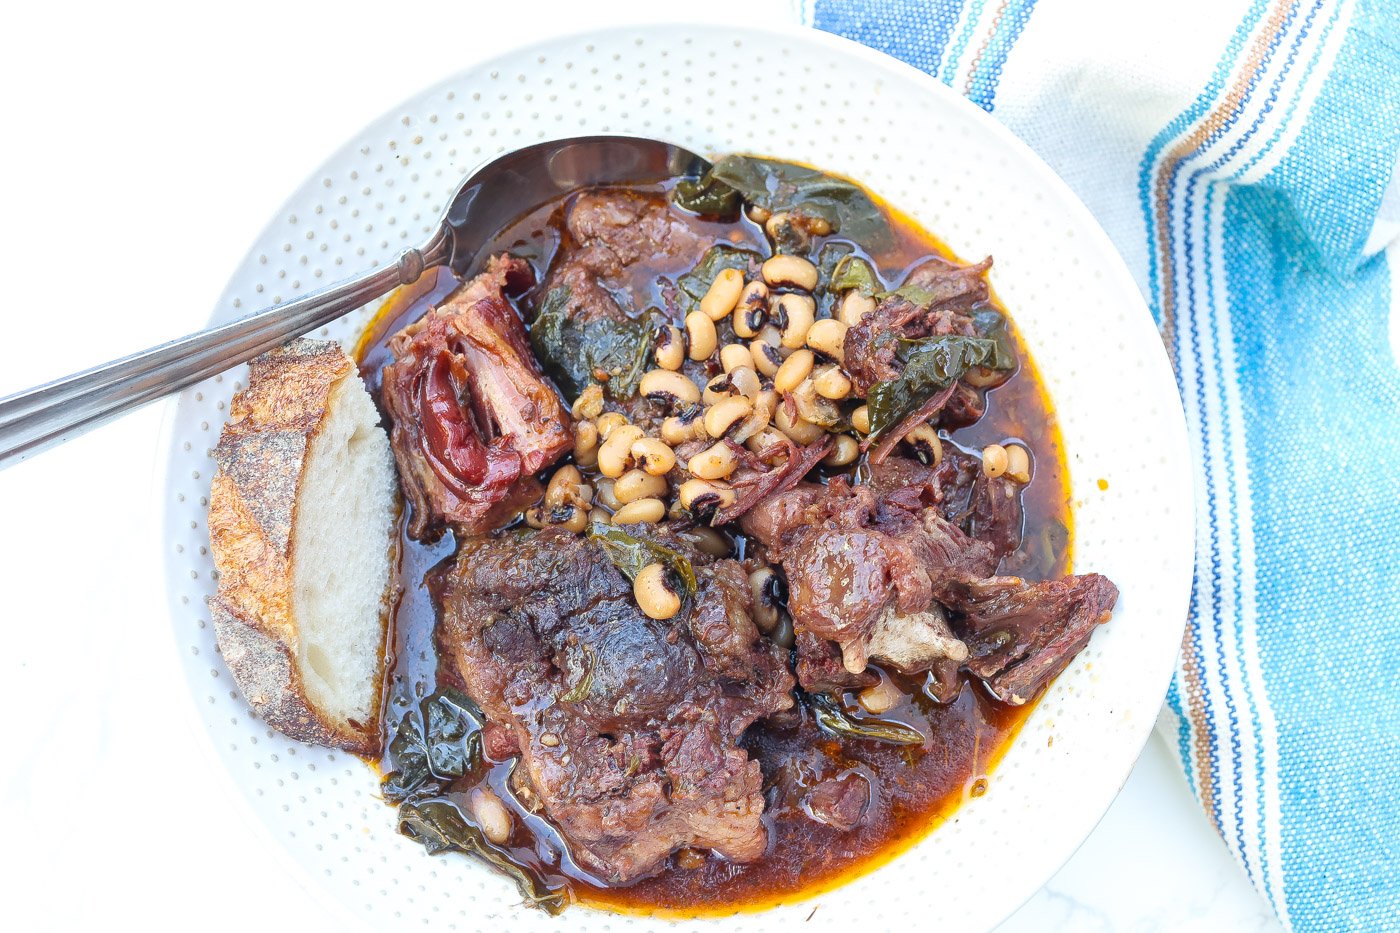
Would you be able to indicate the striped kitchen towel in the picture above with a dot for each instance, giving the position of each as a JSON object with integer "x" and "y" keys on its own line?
{"x": 1239, "y": 153}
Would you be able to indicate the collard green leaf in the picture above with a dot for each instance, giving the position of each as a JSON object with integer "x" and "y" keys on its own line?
{"x": 832, "y": 718}
{"x": 440, "y": 827}
{"x": 785, "y": 186}
{"x": 853, "y": 272}
{"x": 708, "y": 197}
{"x": 991, "y": 324}
{"x": 832, "y": 254}
{"x": 931, "y": 365}
{"x": 572, "y": 353}
{"x": 630, "y": 554}
{"x": 914, "y": 294}
{"x": 434, "y": 745}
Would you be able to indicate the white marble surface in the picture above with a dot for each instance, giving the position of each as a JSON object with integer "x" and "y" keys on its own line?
{"x": 174, "y": 136}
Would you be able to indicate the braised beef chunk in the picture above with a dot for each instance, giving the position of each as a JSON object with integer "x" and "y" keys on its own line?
{"x": 938, "y": 298}
{"x": 1022, "y": 635}
{"x": 887, "y": 571}
{"x": 473, "y": 419}
{"x": 864, "y": 563}
{"x": 840, "y": 801}
{"x": 626, "y": 726}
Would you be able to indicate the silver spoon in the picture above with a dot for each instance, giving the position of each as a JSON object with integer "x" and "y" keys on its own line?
{"x": 500, "y": 191}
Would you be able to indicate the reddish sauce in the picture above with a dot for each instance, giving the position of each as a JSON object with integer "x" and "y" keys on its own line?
{"x": 914, "y": 788}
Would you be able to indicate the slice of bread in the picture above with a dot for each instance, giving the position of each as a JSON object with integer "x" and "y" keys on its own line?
{"x": 301, "y": 521}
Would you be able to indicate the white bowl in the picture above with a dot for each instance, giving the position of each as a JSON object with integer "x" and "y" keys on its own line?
{"x": 811, "y": 97}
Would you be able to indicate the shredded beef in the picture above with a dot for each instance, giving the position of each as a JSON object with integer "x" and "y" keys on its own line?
{"x": 473, "y": 418}
{"x": 626, "y": 726}
{"x": 887, "y": 571}
{"x": 857, "y": 560}
{"x": 1022, "y": 635}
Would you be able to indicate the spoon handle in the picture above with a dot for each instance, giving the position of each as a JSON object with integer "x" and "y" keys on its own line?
{"x": 48, "y": 415}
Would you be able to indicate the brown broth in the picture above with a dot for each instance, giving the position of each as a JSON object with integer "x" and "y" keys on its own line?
{"x": 915, "y": 788}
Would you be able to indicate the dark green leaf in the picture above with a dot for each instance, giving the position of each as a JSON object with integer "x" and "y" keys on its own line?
{"x": 991, "y": 325}
{"x": 914, "y": 294}
{"x": 708, "y": 197}
{"x": 853, "y": 272}
{"x": 630, "y": 554}
{"x": 832, "y": 718}
{"x": 440, "y": 827}
{"x": 832, "y": 253}
{"x": 785, "y": 186}
{"x": 695, "y": 283}
{"x": 434, "y": 745}
{"x": 572, "y": 353}
{"x": 931, "y": 365}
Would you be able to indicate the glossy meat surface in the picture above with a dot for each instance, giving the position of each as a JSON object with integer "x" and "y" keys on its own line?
{"x": 472, "y": 417}
{"x": 626, "y": 726}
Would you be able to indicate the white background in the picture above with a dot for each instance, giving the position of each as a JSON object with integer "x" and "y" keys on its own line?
{"x": 145, "y": 147}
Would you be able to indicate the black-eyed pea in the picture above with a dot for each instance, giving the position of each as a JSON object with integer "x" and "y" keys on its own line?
{"x": 734, "y": 355}
{"x": 572, "y": 517}
{"x": 766, "y": 438}
{"x": 798, "y": 429}
{"x": 654, "y": 456}
{"x": 654, "y": 594}
{"x": 746, "y": 382}
{"x": 925, "y": 444}
{"x": 718, "y": 389}
{"x": 854, "y": 306}
{"x": 678, "y": 429}
{"x": 751, "y": 311}
{"x": 615, "y": 454}
{"x": 860, "y": 419}
{"x": 790, "y": 271}
{"x": 702, "y": 498}
{"x": 670, "y": 347}
{"x": 994, "y": 460}
{"x": 585, "y": 443}
{"x": 880, "y": 698}
{"x": 765, "y": 588}
{"x": 715, "y": 462}
{"x": 723, "y": 294}
{"x": 668, "y": 388}
{"x": 794, "y": 369}
{"x": 603, "y": 494}
{"x": 649, "y": 511}
{"x": 724, "y": 415}
{"x": 1018, "y": 463}
{"x": 843, "y": 452}
{"x": 828, "y": 337}
{"x": 490, "y": 815}
{"x": 796, "y": 314}
{"x": 766, "y": 358}
{"x": 832, "y": 383}
{"x": 639, "y": 484}
{"x": 701, "y": 335}
{"x": 566, "y": 487}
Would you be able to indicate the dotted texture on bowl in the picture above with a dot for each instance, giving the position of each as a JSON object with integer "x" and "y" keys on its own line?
{"x": 843, "y": 108}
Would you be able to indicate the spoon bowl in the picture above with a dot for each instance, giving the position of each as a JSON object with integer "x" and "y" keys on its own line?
{"x": 36, "y": 419}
